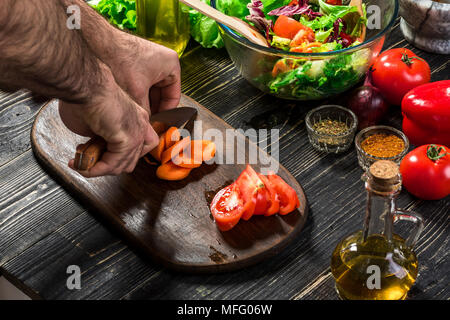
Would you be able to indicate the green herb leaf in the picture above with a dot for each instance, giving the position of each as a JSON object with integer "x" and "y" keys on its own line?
{"x": 121, "y": 13}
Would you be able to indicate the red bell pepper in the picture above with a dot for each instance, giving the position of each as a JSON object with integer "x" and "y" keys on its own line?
{"x": 426, "y": 114}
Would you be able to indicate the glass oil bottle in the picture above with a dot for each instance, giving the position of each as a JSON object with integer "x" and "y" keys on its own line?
{"x": 163, "y": 22}
{"x": 375, "y": 263}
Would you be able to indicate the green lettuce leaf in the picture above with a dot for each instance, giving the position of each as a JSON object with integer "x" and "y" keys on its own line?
{"x": 121, "y": 13}
{"x": 270, "y": 5}
{"x": 317, "y": 78}
{"x": 320, "y": 23}
{"x": 205, "y": 30}
{"x": 322, "y": 35}
{"x": 337, "y": 11}
{"x": 350, "y": 14}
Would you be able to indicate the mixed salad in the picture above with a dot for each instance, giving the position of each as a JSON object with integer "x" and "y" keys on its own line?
{"x": 313, "y": 26}
{"x": 309, "y": 26}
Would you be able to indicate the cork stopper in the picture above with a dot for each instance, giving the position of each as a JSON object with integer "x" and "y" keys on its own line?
{"x": 384, "y": 176}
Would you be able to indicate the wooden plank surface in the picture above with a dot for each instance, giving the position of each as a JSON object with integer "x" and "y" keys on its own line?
{"x": 48, "y": 231}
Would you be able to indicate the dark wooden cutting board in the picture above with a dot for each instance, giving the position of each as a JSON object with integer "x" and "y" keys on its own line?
{"x": 170, "y": 221}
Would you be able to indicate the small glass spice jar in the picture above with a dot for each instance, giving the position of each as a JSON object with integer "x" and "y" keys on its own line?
{"x": 331, "y": 128}
{"x": 380, "y": 143}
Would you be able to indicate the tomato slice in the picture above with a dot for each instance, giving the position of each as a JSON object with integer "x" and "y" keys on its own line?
{"x": 274, "y": 205}
{"x": 286, "y": 194}
{"x": 286, "y": 27}
{"x": 248, "y": 190}
{"x": 256, "y": 191}
{"x": 260, "y": 198}
{"x": 304, "y": 36}
{"x": 227, "y": 207}
{"x": 262, "y": 202}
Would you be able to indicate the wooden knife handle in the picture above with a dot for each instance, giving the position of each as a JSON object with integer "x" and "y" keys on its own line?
{"x": 89, "y": 153}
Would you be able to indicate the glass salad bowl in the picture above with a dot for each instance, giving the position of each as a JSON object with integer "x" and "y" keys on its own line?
{"x": 310, "y": 76}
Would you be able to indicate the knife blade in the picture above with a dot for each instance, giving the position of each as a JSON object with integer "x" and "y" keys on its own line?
{"x": 89, "y": 153}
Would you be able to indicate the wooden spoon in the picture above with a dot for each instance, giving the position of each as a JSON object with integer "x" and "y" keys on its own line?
{"x": 234, "y": 23}
{"x": 358, "y": 3}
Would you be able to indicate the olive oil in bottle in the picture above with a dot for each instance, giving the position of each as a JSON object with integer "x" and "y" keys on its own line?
{"x": 374, "y": 269}
{"x": 375, "y": 263}
{"x": 163, "y": 22}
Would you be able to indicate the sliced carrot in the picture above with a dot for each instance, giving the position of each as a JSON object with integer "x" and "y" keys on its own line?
{"x": 159, "y": 127}
{"x": 150, "y": 162}
{"x": 158, "y": 151}
{"x": 197, "y": 150}
{"x": 172, "y": 136}
{"x": 175, "y": 150}
{"x": 202, "y": 150}
{"x": 306, "y": 47}
{"x": 208, "y": 150}
{"x": 280, "y": 67}
{"x": 188, "y": 161}
{"x": 314, "y": 44}
{"x": 171, "y": 172}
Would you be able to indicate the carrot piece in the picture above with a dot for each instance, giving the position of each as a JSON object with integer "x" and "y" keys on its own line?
{"x": 172, "y": 136}
{"x": 197, "y": 150}
{"x": 203, "y": 149}
{"x": 175, "y": 150}
{"x": 314, "y": 44}
{"x": 159, "y": 127}
{"x": 157, "y": 152}
{"x": 208, "y": 150}
{"x": 191, "y": 157}
{"x": 280, "y": 67}
{"x": 187, "y": 161}
{"x": 149, "y": 161}
{"x": 171, "y": 172}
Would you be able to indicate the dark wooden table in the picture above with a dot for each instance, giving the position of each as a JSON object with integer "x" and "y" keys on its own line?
{"x": 43, "y": 229}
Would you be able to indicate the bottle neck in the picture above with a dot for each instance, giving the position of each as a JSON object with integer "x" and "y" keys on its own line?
{"x": 379, "y": 214}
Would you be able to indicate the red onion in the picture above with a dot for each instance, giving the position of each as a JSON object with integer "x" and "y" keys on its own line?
{"x": 302, "y": 7}
{"x": 368, "y": 104}
{"x": 257, "y": 16}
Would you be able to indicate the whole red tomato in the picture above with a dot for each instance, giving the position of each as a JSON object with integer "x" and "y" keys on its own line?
{"x": 397, "y": 71}
{"x": 426, "y": 172}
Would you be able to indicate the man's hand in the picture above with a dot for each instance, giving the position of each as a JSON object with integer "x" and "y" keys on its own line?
{"x": 102, "y": 74}
{"x": 115, "y": 117}
{"x": 148, "y": 72}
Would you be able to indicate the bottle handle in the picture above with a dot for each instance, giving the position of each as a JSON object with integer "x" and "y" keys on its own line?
{"x": 403, "y": 215}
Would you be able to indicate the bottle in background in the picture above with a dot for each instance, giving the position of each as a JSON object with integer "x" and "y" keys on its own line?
{"x": 163, "y": 22}
{"x": 376, "y": 263}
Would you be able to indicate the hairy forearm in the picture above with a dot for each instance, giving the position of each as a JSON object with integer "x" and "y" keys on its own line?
{"x": 107, "y": 42}
{"x": 39, "y": 52}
